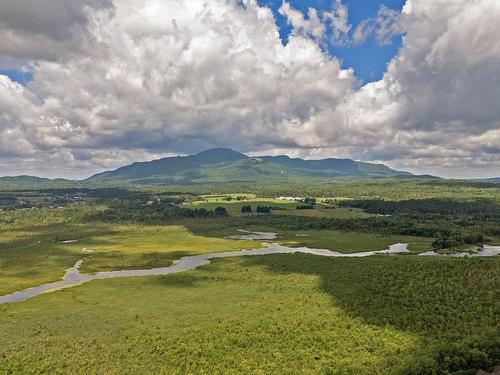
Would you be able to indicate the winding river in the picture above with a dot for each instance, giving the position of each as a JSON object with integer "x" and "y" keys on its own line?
{"x": 74, "y": 277}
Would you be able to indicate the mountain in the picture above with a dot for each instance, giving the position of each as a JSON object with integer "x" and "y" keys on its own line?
{"x": 177, "y": 169}
{"x": 224, "y": 165}
{"x": 490, "y": 179}
{"x": 334, "y": 167}
{"x": 19, "y": 182}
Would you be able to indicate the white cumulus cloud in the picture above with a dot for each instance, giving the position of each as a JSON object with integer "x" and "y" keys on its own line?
{"x": 125, "y": 80}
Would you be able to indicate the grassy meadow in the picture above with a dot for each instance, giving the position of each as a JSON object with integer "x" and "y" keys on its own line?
{"x": 44, "y": 253}
{"x": 280, "y": 207}
{"x": 350, "y": 242}
{"x": 35, "y": 246}
{"x": 295, "y": 314}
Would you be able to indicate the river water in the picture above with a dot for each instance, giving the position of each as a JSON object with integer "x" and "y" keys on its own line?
{"x": 486, "y": 251}
{"x": 74, "y": 277}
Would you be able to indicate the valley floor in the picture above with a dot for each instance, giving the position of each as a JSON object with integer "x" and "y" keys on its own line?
{"x": 264, "y": 314}
{"x": 269, "y": 314}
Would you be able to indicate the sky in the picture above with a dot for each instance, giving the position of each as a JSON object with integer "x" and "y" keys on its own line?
{"x": 92, "y": 85}
{"x": 369, "y": 59}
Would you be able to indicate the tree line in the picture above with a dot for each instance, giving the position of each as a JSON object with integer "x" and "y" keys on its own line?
{"x": 479, "y": 207}
{"x": 155, "y": 214}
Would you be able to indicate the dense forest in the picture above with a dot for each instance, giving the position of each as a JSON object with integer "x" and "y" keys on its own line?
{"x": 448, "y": 233}
{"x": 479, "y": 208}
{"x": 154, "y": 213}
{"x": 453, "y": 223}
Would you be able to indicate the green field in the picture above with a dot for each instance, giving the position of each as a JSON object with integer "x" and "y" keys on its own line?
{"x": 291, "y": 314}
{"x": 32, "y": 249}
{"x": 44, "y": 257}
{"x": 350, "y": 242}
{"x": 350, "y": 188}
{"x": 234, "y": 207}
{"x": 280, "y": 207}
{"x": 337, "y": 212}
{"x": 106, "y": 247}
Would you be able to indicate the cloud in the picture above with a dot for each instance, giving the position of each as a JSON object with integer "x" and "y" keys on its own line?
{"x": 312, "y": 26}
{"x": 31, "y": 31}
{"x": 136, "y": 80}
{"x": 338, "y": 20}
{"x": 434, "y": 110}
{"x": 436, "y": 104}
{"x": 315, "y": 24}
{"x": 385, "y": 25}
{"x": 13, "y": 100}
{"x": 176, "y": 75}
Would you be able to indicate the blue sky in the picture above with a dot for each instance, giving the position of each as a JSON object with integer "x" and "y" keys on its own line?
{"x": 22, "y": 77}
{"x": 369, "y": 59}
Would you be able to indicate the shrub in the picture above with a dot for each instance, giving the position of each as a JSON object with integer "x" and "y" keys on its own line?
{"x": 263, "y": 209}
{"x": 220, "y": 211}
{"x": 246, "y": 209}
{"x": 304, "y": 206}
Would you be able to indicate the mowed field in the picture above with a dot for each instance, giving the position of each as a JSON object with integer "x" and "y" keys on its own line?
{"x": 280, "y": 207}
{"x": 294, "y": 314}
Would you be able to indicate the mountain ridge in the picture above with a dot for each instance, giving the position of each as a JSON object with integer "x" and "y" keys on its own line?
{"x": 34, "y": 181}
{"x": 221, "y": 165}
{"x": 225, "y": 164}
{"x": 489, "y": 179}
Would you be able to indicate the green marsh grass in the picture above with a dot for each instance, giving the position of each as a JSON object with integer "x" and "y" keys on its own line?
{"x": 294, "y": 314}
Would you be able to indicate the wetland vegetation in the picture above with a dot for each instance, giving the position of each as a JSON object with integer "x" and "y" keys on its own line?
{"x": 262, "y": 314}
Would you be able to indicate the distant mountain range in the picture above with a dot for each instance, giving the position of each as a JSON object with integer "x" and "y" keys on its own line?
{"x": 491, "y": 179}
{"x": 223, "y": 164}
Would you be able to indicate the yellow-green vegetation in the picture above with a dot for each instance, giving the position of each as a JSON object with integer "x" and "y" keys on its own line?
{"x": 223, "y": 197}
{"x": 33, "y": 252}
{"x": 342, "y": 241}
{"x": 337, "y": 212}
{"x": 104, "y": 247}
{"x": 139, "y": 246}
{"x": 294, "y": 314}
{"x": 280, "y": 207}
{"x": 291, "y": 314}
{"x": 21, "y": 227}
{"x": 233, "y": 207}
{"x": 23, "y": 267}
{"x": 350, "y": 242}
{"x": 365, "y": 188}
